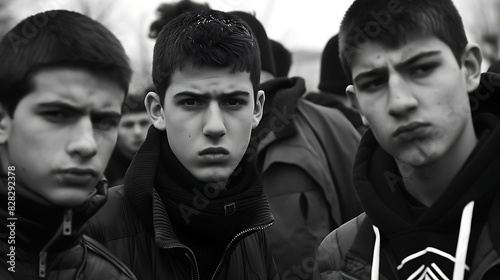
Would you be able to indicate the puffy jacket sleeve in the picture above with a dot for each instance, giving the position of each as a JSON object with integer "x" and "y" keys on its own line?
{"x": 330, "y": 256}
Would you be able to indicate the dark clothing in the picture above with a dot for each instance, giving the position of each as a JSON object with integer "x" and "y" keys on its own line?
{"x": 48, "y": 241}
{"x": 486, "y": 98}
{"x": 305, "y": 153}
{"x": 117, "y": 167}
{"x": 331, "y": 100}
{"x": 460, "y": 232}
{"x": 165, "y": 224}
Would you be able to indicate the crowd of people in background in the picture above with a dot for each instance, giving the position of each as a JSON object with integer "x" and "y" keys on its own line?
{"x": 227, "y": 167}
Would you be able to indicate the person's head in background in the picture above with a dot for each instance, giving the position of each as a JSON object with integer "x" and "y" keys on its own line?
{"x": 168, "y": 11}
{"x": 206, "y": 69}
{"x": 61, "y": 92}
{"x": 413, "y": 67}
{"x": 332, "y": 77}
{"x": 282, "y": 58}
{"x": 133, "y": 126}
{"x": 268, "y": 68}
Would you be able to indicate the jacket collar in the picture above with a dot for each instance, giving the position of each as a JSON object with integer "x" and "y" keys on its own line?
{"x": 139, "y": 188}
{"x": 48, "y": 227}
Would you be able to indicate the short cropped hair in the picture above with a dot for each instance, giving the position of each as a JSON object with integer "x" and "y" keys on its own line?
{"x": 389, "y": 22}
{"x": 53, "y": 39}
{"x": 206, "y": 38}
{"x": 134, "y": 103}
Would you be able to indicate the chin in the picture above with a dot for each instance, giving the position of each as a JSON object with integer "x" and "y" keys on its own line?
{"x": 214, "y": 176}
{"x": 68, "y": 199}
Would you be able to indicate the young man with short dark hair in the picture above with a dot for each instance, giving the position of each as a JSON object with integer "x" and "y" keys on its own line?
{"x": 427, "y": 173}
{"x": 192, "y": 205}
{"x": 61, "y": 91}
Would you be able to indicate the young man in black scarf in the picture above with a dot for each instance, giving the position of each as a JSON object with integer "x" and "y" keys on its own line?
{"x": 192, "y": 205}
{"x": 426, "y": 171}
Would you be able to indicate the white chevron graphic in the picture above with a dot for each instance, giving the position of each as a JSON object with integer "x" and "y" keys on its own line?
{"x": 428, "y": 273}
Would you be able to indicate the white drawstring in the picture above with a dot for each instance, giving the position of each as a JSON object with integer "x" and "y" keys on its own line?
{"x": 376, "y": 255}
{"x": 463, "y": 241}
{"x": 460, "y": 255}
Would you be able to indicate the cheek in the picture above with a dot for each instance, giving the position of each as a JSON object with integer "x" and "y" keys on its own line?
{"x": 106, "y": 144}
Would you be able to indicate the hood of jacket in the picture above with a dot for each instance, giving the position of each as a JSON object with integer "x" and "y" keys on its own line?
{"x": 280, "y": 108}
{"x": 379, "y": 184}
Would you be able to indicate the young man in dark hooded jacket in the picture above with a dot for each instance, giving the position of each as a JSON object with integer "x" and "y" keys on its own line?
{"x": 192, "y": 205}
{"x": 427, "y": 171}
{"x": 305, "y": 153}
{"x": 61, "y": 90}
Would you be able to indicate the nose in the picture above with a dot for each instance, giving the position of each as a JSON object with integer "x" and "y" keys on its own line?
{"x": 214, "y": 126}
{"x": 137, "y": 129}
{"x": 402, "y": 100}
{"x": 83, "y": 144}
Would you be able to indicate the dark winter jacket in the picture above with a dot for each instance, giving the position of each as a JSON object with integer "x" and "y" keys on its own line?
{"x": 333, "y": 101}
{"x": 305, "y": 153}
{"x": 47, "y": 242}
{"x": 116, "y": 168}
{"x": 136, "y": 226}
{"x": 459, "y": 232}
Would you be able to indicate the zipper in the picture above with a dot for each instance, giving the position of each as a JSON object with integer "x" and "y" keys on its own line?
{"x": 42, "y": 257}
{"x": 64, "y": 229}
{"x": 195, "y": 273}
{"x": 234, "y": 239}
{"x": 66, "y": 226}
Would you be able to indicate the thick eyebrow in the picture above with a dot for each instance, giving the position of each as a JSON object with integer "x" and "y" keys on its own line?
{"x": 376, "y": 72}
{"x": 207, "y": 96}
{"x": 79, "y": 110}
{"x": 416, "y": 58}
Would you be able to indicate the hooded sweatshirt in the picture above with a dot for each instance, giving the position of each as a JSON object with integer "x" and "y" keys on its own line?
{"x": 433, "y": 241}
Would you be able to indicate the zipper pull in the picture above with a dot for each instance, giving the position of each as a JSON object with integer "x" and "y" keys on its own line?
{"x": 68, "y": 215}
{"x": 41, "y": 264}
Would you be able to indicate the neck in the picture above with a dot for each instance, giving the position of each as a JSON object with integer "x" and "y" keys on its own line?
{"x": 428, "y": 182}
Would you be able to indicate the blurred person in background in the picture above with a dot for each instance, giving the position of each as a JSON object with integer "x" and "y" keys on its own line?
{"x": 282, "y": 58}
{"x": 132, "y": 132}
{"x": 333, "y": 83}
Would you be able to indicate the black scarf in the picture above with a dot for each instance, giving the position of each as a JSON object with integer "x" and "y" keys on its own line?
{"x": 204, "y": 218}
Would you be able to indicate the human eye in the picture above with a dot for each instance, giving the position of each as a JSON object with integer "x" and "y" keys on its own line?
{"x": 105, "y": 122}
{"x": 56, "y": 115}
{"x": 371, "y": 85}
{"x": 422, "y": 70}
{"x": 189, "y": 102}
{"x": 234, "y": 102}
{"x": 127, "y": 125}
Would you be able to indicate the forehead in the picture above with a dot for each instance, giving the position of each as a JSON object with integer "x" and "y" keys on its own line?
{"x": 376, "y": 54}
{"x": 209, "y": 80}
{"x": 135, "y": 116}
{"x": 75, "y": 87}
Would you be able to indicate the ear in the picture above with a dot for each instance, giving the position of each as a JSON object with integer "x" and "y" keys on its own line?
{"x": 351, "y": 93}
{"x": 471, "y": 64}
{"x": 259, "y": 108}
{"x": 5, "y": 125}
{"x": 155, "y": 110}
